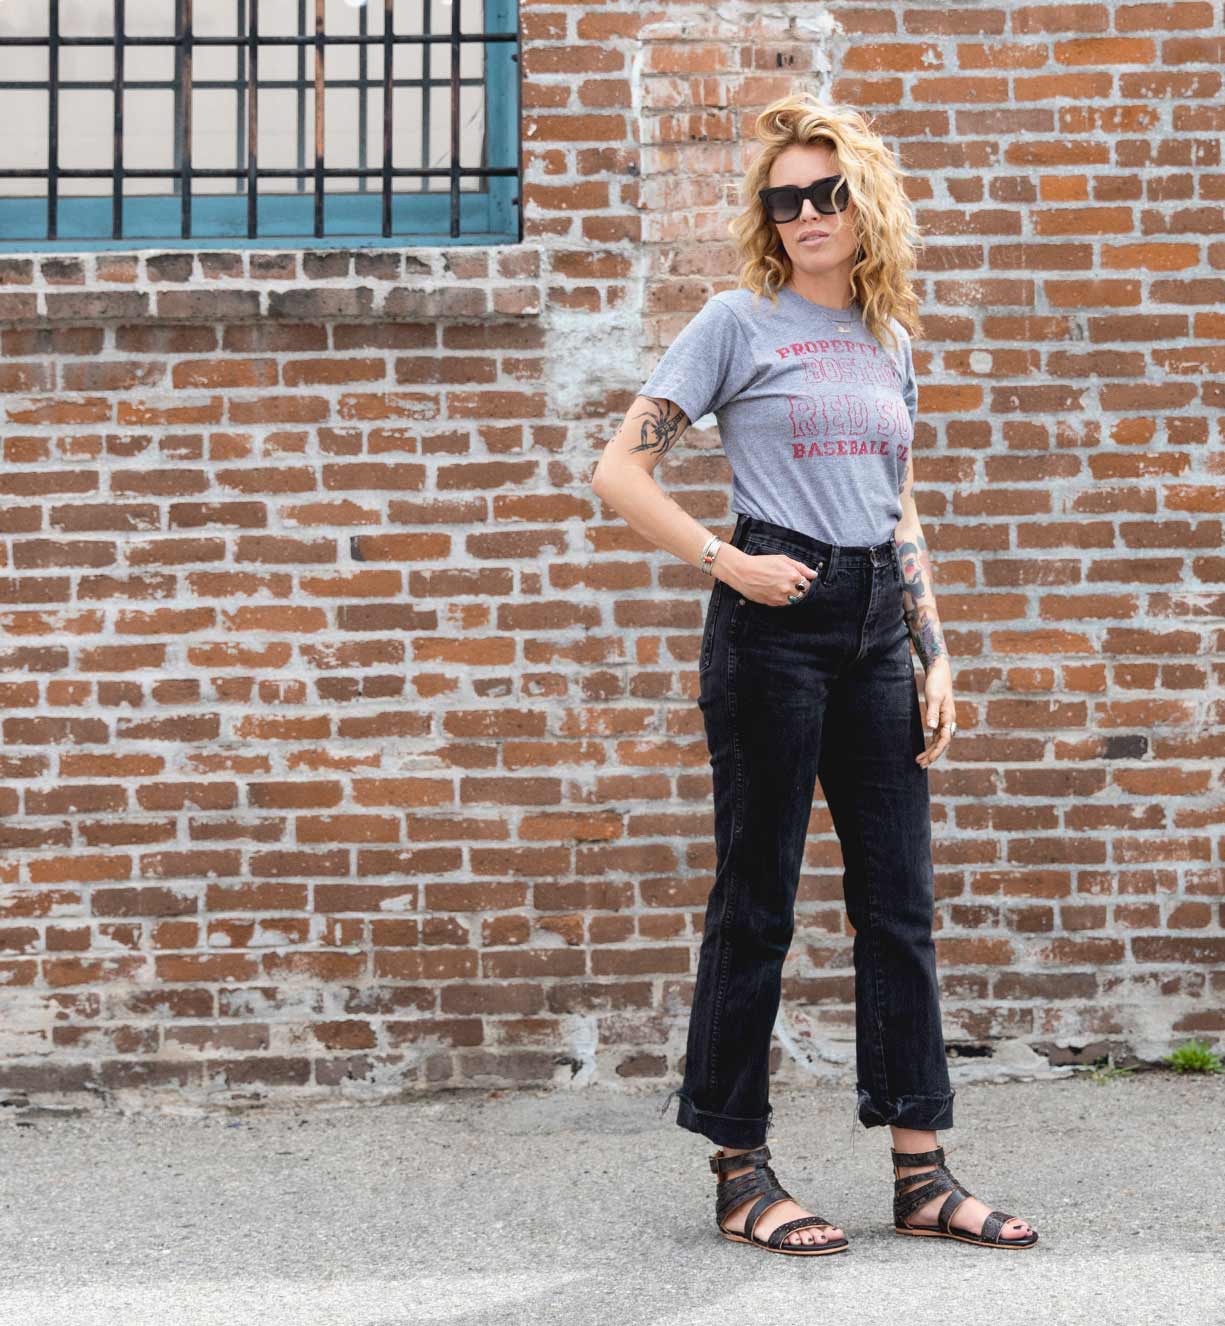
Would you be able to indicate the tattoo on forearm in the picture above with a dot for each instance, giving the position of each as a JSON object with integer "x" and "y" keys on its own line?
{"x": 919, "y": 601}
{"x": 662, "y": 423}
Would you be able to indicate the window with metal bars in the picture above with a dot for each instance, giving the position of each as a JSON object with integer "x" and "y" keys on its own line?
{"x": 259, "y": 123}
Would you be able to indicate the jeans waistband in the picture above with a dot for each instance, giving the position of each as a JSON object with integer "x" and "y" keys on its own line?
{"x": 875, "y": 554}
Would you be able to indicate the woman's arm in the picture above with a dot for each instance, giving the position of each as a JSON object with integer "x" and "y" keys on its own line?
{"x": 923, "y": 620}
{"x": 624, "y": 479}
{"x": 919, "y": 599}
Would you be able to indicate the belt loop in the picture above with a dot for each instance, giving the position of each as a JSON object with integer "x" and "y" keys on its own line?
{"x": 830, "y": 562}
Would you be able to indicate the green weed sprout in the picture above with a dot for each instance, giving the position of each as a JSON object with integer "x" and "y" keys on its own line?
{"x": 1194, "y": 1057}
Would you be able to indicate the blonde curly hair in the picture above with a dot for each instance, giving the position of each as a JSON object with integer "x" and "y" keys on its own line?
{"x": 888, "y": 239}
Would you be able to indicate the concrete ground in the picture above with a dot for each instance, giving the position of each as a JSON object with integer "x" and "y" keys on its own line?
{"x": 590, "y": 1209}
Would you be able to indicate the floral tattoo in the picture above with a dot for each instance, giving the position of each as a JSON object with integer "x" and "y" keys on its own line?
{"x": 919, "y": 601}
{"x": 662, "y": 423}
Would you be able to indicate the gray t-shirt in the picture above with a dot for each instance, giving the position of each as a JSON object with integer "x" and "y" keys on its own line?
{"x": 817, "y": 422}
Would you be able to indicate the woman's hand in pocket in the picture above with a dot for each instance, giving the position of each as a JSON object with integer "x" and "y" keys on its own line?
{"x": 770, "y": 577}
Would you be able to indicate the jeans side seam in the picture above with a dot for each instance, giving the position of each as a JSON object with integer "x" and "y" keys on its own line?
{"x": 729, "y": 897}
{"x": 876, "y": 956}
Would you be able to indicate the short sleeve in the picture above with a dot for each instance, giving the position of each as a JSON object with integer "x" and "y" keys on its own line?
{"x": 707, "y": 364}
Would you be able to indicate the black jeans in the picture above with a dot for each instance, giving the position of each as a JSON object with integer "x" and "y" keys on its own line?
{"x": 821, "y": 688}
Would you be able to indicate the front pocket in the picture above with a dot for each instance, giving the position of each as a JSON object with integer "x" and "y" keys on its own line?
{"x": 765, "y": 546}
{"x": 763, "y": 543}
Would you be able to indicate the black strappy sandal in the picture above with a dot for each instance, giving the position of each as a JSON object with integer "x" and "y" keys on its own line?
{"x": 939, "y": 1180}
{"x": 762, "y": 1180}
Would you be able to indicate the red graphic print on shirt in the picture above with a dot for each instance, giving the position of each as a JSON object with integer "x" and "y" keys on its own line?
{"x": 827, "y": 422}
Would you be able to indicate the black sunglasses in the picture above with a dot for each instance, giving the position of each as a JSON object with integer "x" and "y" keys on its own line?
{"x": 785, "y": 202}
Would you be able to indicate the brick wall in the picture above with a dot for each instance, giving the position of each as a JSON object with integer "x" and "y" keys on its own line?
{"x": 350, "y": 747}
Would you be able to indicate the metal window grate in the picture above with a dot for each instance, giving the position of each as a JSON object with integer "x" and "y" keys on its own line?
{"x": 475, "y": 203}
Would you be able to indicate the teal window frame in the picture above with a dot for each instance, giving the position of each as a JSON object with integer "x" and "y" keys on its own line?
{"x": 489, "y": 215}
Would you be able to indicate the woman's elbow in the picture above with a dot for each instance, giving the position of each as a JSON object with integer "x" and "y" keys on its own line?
{"x": 605, "y": 476}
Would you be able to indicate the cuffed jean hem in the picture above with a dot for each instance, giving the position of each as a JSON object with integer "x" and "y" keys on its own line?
{"x": 723, "y": 1129}
{"x": 925, "y": 1112}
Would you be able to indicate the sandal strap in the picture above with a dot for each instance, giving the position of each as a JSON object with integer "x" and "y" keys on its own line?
{"x": 778, "y": 1235}
{"x": 944, "y": 1217}
{"x": 759, "y": 1208}
{"x": 720, "y": 1164}
{"x": 731, "y": 1192}
{"x": 993, "y": 1224}
{"x": 919, "y": 1157}
{"x": 939, "y": 1181}
{"x": 900, "y": 1184}
{"x": 759, "y": 1183}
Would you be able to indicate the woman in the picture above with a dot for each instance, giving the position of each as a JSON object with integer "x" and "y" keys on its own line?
{"x": 804, "y": 666}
